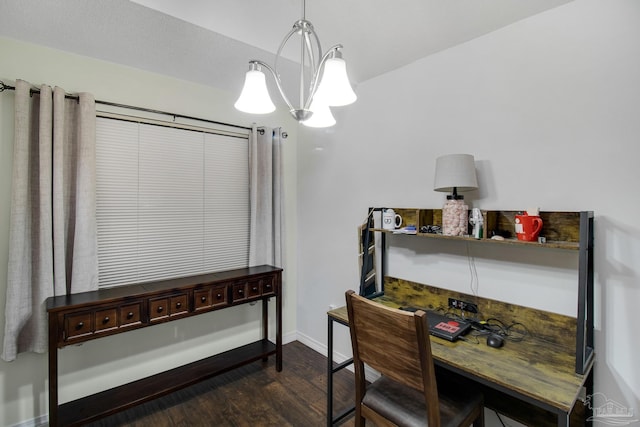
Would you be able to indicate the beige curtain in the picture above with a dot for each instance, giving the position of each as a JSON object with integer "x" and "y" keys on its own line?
{"x": 266, "y": 197}
{"x": 52, "y": 241}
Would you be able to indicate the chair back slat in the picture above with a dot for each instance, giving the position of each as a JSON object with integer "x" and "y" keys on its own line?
{"x": 396, "y": 343}
{"x": 393, "y": 354}
{"x": 388, "y": 341}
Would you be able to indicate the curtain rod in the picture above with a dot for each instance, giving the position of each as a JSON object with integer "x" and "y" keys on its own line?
{"x": 4, "y": 87}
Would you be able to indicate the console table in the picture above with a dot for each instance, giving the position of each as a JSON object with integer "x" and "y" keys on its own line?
{"x": 86, "y": 316}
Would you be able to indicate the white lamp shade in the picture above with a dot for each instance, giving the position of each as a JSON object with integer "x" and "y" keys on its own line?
{"x": 335, "y": 89}
{"x": 455, "y": 171}
{"x": 254, "y": 97}
{"x": 321, "y": 117}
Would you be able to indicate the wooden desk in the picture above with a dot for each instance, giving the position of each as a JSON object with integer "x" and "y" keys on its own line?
{"x": 91, "y": 315}
{"x": 534, "y": 371}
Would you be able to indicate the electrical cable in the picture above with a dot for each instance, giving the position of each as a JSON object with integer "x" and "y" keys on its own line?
{"x": 473, "y": 272}
{"x": 523, "y": 334}
{"x": 500, "y": 418}
{"x": 497, "y": 326}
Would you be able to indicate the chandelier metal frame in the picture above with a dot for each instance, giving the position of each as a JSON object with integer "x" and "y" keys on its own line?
{"x": 312, "y": 67}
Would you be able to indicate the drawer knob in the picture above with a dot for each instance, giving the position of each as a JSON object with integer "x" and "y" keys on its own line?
{"x": 80, "y": 325}
{"x": 129, "y": 315}
{"x": 268, "y": 286}
{"x": 178, "y": 304}
{"x": 160, "y": 309}
{"x": 219, "y": 296}
{"x": 241, "y": 291}
{"x": 106, "y": 319}
{"x": 203, "y": 299}
{"x": 254, "y": 289}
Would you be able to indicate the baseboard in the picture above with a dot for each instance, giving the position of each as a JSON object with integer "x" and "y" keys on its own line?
{"x": 322, "y": 348}
{"x": 290, "y": 337}
{"x": 317, "y": 346}
{"x": 41, "y": 421}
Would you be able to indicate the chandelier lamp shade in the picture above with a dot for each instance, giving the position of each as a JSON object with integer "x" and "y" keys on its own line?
{"x": 323, "y": 81}
{"x": 254, "y": 97}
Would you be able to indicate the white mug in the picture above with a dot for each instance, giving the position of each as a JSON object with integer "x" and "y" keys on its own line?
{"x": 391, "y": 220}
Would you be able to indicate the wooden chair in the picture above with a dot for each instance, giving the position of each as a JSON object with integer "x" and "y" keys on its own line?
{"x": 396, "y": 344}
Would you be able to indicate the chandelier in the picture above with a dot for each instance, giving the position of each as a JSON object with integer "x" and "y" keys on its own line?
{"x": 316, "y": 94}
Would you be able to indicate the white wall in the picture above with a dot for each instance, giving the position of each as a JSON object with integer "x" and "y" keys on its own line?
{"x": 115, "y": 360}
{"x": 549, "y": 108}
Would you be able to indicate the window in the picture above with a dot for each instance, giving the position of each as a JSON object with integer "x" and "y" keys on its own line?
{"x": 171, "y": 202}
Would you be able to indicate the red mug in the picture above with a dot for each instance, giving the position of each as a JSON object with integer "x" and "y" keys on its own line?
{"x": 528, "y": 227}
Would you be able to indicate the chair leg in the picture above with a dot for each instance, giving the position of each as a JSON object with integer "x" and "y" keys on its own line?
{"x": 359, "y": 421}
{"x": 479, "y": 422}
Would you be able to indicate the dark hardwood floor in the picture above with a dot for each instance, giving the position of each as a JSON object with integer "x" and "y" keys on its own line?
{"x": 254, "y": 395}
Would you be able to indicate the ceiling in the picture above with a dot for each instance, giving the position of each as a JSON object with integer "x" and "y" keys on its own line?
{"x": 211, "y": 41}
{"x": 378, "y": 35}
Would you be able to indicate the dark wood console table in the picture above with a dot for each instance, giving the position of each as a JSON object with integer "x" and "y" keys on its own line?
{"x": 91, "y": 315}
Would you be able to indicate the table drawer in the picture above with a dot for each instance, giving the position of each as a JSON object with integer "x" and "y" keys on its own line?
{"x": 255, "y": 288}
{"x": 179, "y": 304}
{"x": 158, "y": 308}
{"x": 131, "y": 314}
{"x": 167, "y": 306}
{"x": 268, "y": 286}
{"x": 101, "y": 320}
{"x": 219, "y": 296}
{"x": 209, "y": 297}
{"x": 77, "y": 325}
{"x": 106, "y": 319}
{"x": 239, "y": 292}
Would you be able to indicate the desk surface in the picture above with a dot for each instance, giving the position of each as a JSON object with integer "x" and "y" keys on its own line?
{"x": 534, "y": 369}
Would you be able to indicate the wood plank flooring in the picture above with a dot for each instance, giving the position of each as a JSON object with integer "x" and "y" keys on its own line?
{"x": 254, "y": 395}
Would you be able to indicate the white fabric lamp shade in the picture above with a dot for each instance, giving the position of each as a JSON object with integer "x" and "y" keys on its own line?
{"x": 455, "y": 171}
{"x": 321, "y": 117}
{"x": 335, "y": 89}
{"x": 254, "y": 98}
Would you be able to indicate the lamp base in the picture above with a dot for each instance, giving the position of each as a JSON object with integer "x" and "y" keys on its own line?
{"x": 455, "y": 217}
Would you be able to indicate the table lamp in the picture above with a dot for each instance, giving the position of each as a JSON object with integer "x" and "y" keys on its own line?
{"x": 455, "y": 172}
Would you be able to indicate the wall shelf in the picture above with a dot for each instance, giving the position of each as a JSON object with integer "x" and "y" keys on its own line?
{"x": 507, "y": 241}
{"x": 561, "y": 230}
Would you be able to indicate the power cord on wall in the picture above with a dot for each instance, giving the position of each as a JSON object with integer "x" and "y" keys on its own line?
{"x": 500, "y": 419}
{"x": 473, "y": 272}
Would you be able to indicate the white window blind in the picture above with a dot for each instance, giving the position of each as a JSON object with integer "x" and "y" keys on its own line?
{"x": 170, "y": 202}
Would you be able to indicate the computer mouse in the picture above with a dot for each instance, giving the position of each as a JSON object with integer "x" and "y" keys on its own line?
{"x": 495, "y": 341}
